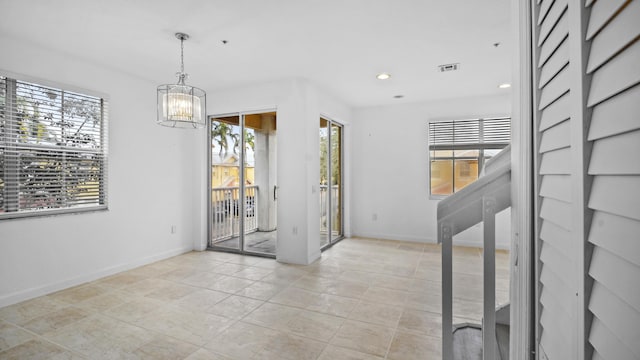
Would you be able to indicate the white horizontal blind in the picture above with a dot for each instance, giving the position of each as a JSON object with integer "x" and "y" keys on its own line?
{"x": 473, "y": 131}
{"x": 53, "y": 150}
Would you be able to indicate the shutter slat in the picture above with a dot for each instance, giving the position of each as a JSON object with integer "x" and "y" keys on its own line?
{"x": 544, "y": 10}
{"x": 622, "y": 321}
{"x": 621, "y": 278}
{"x": 616, "y": 115}
{"x": 621, "y": 73}
{"x": 555, "y": 113}
{"x": 617, "y": 195}
{"x": 616, "y": 155}
{"x": 555, "y": 344}
{"x": 557, "y": 10}
{"x": 558, "y": 212}
{"x": 606, "y": 343}
{"x": 556, "y": 62}
{"x": 557, "y": 237}
{"x": 622, "y": 30}
{"x": 601, "y": 13}
{"x": 556, "y": 187}
{"x": 556, "y": 162}
{"x": 616, "y": 234}
{"x": 559, "y": 33}
{"x": 558, "y": 86}
{"x": 557, "y": 137}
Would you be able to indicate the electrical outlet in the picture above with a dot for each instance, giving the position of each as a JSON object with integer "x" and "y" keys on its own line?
{"x": 295, "y": 230}
{"x": 374, "y": 217}
{"x": 174, "y": 229}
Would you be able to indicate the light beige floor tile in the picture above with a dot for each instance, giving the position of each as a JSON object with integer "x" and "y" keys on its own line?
{"x": 261, "y": 290}
{"x": 425, "y": 286}
{"x": 468, "y": 309}
{"x": 242, "y": 340}
{"x": 101, "y": 337}
{"x": 284, "y": 275}
{"x": 364, "y": 337}
{"x": 252, "y": 273}
{"x": 313, "y": 325}
{"x": 294, "y": 297}
{"x": 33, "y": 349}
{"x": 431, "y": 302}
{"x": 105, "y": 301}
{"x": 135, "y": 309}
{"x": 165, "y": 348}
{"x": 357, "y": 276}
{"x": 203, "y": 300}
{"x": 120, "y": 280}
{"x": 202, "y": 279}
{"x": 407, "y": 346}
{"x": 194, "y": 326}
{"x": 79, "y": 293}
{"x": 335, "y": 352}
{"x": 235, "y": 307}
{"x": 204, "y": 354}
{"x": 346, "y": 288}
{"x": 11, "y": 336}
{"x": 377, "y": 313}
{"x": 333, "y": 305}
{"x": 47, "y": 323}
{"x": 179, "y": 274}
{"x": 392, "y": 282}
{"x": 421, "y": 321}
{"x": 386, "y": 296}
{"x": 22, "y": 312}
{"x": 146, "y": 286}
{"x": 313, "y": 282}
{"x": 291, "y": 347}
{"x": 230, "y": 284}
{"x": 273, "y": 316}
{"x": 172, "y": 292}
{"x": 228, "y": 269}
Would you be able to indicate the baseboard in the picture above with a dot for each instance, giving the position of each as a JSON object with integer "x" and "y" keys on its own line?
{"x": 380, "y": 236}
{"x": 22, "y": 295}
{"x": 477, "y": 244}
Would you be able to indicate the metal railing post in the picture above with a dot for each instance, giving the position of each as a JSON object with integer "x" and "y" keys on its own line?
{"x": 489, "y": 279}
{"x": 446, "y": 233}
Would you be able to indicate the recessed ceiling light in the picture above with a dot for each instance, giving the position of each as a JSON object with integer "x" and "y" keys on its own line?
{"x": 383, "y": 76}
{"x": 504, "y": 86}
{"x": 398, "y": 96}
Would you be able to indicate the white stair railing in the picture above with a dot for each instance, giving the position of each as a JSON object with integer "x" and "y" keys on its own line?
{"x": 478, "y": 202}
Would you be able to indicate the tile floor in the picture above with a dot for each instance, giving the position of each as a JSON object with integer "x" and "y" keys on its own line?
{"x": 365, "y": 299}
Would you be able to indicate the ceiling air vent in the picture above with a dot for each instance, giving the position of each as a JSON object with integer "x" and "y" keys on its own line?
{"x": 449, "y": 67}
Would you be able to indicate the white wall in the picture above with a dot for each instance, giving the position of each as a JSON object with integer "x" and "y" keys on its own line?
{"x": 390, "y": 186}
{"x": 299, "y": 105}
{"x": 148, "y": 189}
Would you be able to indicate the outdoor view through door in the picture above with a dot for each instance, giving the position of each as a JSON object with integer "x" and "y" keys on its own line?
{"x": 330, "y": 182}
{"x": 243, "y": 199}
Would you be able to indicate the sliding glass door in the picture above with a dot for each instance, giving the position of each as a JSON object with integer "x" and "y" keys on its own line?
{"x": 331, "y": 193}
{"x": 243, "y": 183}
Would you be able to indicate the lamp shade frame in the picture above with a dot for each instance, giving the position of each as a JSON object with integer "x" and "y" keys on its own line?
{"x": 181, "y": 106}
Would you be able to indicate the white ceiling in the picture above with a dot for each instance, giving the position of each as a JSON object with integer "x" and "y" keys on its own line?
{"x": 338, "y": 44}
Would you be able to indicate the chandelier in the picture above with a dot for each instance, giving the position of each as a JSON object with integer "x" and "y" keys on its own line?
{"x": 181, "y": 105}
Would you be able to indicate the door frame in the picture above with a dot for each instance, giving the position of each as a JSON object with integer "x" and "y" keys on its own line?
{"x": 330, "y": 122}
{"x": 241, "y": 191}
{"x": 523, "y": 255}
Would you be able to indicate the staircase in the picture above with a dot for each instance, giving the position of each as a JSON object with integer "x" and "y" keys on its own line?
{"x": 479, "y": 202}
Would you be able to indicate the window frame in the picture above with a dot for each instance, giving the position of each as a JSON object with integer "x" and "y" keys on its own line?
{"x": 101, "y": 151}
{"x": 465, "y": 142}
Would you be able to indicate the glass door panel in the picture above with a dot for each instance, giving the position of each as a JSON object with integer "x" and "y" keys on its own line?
{"x": 324, "y": 183}
{"x": 260, "y": 191}
{"x": 225, "y": 183}
{"x": 336, "y": 182}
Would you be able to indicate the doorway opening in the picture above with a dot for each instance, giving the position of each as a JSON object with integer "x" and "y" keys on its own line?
{"x": 331, "y": 179}
{"x": 243, "y": 203}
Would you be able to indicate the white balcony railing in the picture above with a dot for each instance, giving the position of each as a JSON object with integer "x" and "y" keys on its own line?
{"x": 226, "y": 212}
{"x": 324, "y": 206}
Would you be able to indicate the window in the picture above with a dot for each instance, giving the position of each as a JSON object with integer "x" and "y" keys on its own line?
{"x": 459, "y": 149}
{"x": 53, "y": 150}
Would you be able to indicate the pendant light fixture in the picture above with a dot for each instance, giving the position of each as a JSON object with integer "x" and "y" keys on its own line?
{"x": 181, "y": 105}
